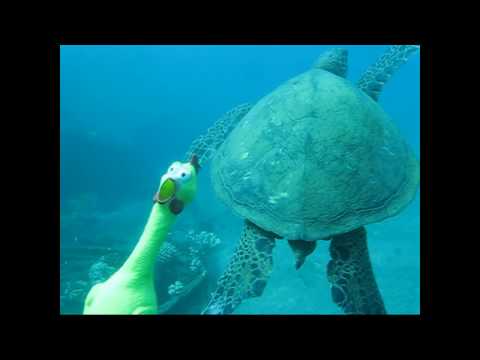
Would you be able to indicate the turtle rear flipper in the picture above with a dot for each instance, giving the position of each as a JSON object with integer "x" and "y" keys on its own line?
{"x": 350, "y": 272}
{"x": 247, "y": 273}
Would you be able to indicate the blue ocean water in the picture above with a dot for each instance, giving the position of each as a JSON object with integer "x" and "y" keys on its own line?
{"x": 127, "y": 112}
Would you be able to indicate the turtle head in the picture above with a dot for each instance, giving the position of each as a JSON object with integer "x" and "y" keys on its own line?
{"x": 334, "y": 61}
{"x": 178, "y": 185}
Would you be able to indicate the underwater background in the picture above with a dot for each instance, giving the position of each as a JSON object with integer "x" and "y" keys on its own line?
{"x": 128, "y": 112}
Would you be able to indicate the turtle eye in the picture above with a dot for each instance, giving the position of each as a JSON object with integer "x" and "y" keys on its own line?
{"x": 171, "y": 169}
{"x": 183, "y": 174}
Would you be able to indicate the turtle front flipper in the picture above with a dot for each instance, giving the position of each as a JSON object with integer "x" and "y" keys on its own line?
{"x": 205, "y": 146}
{"x": 377, "y": 75}
{"x": 247, "y": 273}
{"x": 350, "y": 272}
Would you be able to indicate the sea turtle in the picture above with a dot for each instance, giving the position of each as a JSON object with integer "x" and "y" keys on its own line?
{"x": 316, "y": 159}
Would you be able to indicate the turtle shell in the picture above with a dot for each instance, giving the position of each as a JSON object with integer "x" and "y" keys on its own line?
{"x": 314, "y": 158}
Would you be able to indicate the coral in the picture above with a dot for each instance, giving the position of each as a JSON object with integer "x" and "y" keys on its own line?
{"x": 74, "y": 292}
{"x": 181, "y": 262}
{"x": 81, "y": 283}
{"x": 100, "y": 271}
{"x": 186, "y": 270}
{"x": 84, "y": 268}
{"x": 195, "y": 264}
{"x": 193, "y": 252}
{"x": 179, "y": 291}
{"x": 202, "y": 241}
{"x": 167, "y": 253}
{"x": 176, "y": 288}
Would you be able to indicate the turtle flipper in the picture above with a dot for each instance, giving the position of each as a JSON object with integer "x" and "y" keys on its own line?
{"x": 247, "y": 273}
{"x": 204, "y": 147}
{"x": 350, "y": 272}
{"x": 375, "y": 77}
